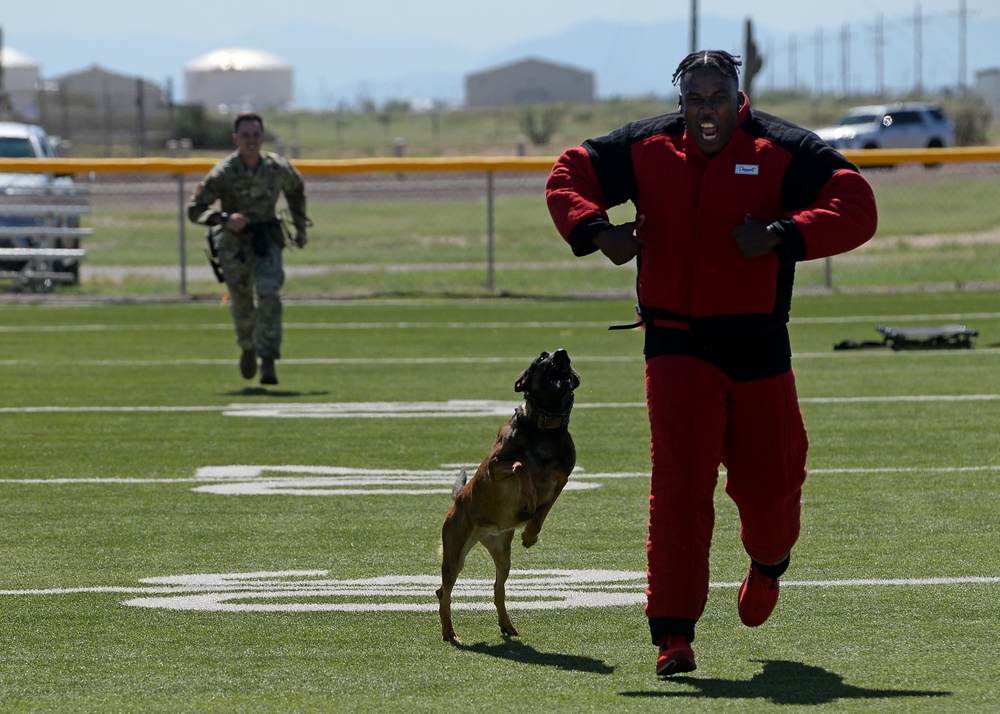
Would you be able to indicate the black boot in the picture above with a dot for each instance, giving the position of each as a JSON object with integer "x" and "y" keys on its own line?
{"x": 267, "y": 373}
{"x": 248, "y": 364}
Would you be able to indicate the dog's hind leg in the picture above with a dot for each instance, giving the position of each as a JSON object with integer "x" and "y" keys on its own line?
{"x": 499, "y": 548}
{"x": 456, "y": 541}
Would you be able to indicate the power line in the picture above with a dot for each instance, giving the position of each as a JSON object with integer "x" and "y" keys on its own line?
{"x": 888, "y": 69}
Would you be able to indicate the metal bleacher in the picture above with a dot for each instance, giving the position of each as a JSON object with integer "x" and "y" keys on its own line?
{"x": 40, "y": 236}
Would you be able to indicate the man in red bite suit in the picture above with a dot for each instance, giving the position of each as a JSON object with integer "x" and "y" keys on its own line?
{"x": 728, "y": 200}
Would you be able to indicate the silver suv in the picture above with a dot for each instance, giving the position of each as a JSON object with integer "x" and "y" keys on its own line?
{"x": 910, "y": 125}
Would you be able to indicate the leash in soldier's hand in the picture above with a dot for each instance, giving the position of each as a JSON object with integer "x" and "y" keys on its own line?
{"x": 285, "y": 221}
{"x": 212, "y": 252}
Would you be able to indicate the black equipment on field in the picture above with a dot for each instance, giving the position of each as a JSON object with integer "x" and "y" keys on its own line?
{"x": 941, "y": 337}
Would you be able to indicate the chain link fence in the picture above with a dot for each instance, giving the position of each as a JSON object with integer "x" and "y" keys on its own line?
{"x": 480, "y": 227}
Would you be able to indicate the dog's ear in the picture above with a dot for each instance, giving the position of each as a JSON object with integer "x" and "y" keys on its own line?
{"x": 520, "y": 381}
{"x": 575, "y": 377}
{"x": 519, "y": 384}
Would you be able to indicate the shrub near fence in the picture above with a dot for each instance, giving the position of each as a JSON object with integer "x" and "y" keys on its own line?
{"x": 479, "y": 226}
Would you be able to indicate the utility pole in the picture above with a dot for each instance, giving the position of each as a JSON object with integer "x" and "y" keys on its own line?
{"x": 879, "y": 59}
{"x": 819, "y": 61}
{"x": 918, "y": 53}
{"x": 793, "y": 63}
{"x": 3, "y": 94}
{"x": 845, "y": 59}
{"x": 694, "y": 25}
{"x": 963, "y": 17}
{"x": 770, "y": 65}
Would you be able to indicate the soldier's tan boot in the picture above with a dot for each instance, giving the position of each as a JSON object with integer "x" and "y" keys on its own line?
{"x": 267, "y": 373}
{"x": 248, "y": 364}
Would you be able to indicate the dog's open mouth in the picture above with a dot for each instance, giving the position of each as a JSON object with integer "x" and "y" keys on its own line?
{"x": 562, "y": 376}
{"x": 564, "y": 382}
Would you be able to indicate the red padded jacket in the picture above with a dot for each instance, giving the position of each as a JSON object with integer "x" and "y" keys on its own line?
{"x": 690, "y": 271}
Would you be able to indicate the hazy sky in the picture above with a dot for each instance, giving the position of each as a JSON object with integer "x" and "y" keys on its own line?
{"x": 482, "y": 25}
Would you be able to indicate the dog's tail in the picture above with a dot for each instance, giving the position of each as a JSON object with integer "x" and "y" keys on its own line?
{"x": 459, "y": 483}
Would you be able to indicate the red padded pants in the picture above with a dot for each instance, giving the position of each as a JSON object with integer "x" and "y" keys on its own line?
{"x": 701, "y": 418}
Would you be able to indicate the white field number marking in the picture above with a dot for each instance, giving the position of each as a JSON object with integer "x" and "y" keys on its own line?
{"x": 315, "y": 591}
{"x": 344, "y": 481}
{"x": 283, "y": 592}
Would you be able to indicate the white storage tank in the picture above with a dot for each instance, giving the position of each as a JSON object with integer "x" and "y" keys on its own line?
{"x": 239, "y": 79}
{"x": 20, "y": 81}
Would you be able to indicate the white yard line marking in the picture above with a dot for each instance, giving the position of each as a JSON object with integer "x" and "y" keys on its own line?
{"x": 886, "y": 352}
{"x": 449, "y": 408}
{"x": 104, "y": 410}
{"x": 371, "y": 325}
{"x": 637, "y": 359}
{"x": 301, "y": 480}
{"x": 278, "y": 591}
{"x": 902, "y": 398}
{"x": 633, "y": 359}
{"x": 490, "y": 325}
{"x": 91, "y": 480}
{"x": 889, "y": 319}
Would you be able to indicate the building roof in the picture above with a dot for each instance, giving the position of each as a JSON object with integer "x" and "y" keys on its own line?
{"x": 10, "y": 57}
{"x": 529, "y": 61}
{"x": 236, "y": 59}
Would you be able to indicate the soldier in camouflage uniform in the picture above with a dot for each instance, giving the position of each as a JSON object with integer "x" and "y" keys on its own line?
{"x": 247, "y": 184}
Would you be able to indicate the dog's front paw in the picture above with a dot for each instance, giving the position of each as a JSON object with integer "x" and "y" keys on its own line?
{"x": 529, "y": 539}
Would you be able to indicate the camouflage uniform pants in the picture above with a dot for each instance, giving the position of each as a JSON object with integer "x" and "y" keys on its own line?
{"x": 254, "y": 284}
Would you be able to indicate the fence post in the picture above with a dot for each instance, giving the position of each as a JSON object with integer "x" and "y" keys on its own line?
{"x": 489, "y": 231}
{"x": 172, "y": 146}
{"x": 182, "y": 229}
{"x": 829, "y": 272}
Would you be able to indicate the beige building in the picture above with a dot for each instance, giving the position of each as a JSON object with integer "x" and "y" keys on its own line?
{"x": 988, "y": 87}
{"x": 528, "y": 81}
{"x": 110, "y": 92}
{"x": 237, "y": 79}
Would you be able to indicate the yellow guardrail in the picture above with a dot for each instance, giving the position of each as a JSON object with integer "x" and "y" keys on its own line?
{"x": 306, "y": 166}
{"x": 489, "y": 165}
{"x": 865, "y": 157}
{"x": 956, "y": 155}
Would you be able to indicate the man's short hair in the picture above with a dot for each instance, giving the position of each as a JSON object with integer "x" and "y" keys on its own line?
{"x": 246, "y": 116}
{"x": 719, "y": 60}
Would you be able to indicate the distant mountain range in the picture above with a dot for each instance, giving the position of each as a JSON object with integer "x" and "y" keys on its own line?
{"x": 334, "y": 68}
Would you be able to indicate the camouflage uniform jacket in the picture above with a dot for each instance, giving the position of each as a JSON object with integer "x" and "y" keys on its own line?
{"x": 254, "y": 193}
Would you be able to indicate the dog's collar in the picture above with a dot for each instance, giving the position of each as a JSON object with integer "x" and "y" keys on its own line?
{"x": 542, "y": 419}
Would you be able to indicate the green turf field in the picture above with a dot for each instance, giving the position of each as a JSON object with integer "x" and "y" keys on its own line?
{"x": 178, "y": 540}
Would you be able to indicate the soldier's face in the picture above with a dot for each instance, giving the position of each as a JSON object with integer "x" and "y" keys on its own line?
{"x": 248, "y": 137}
